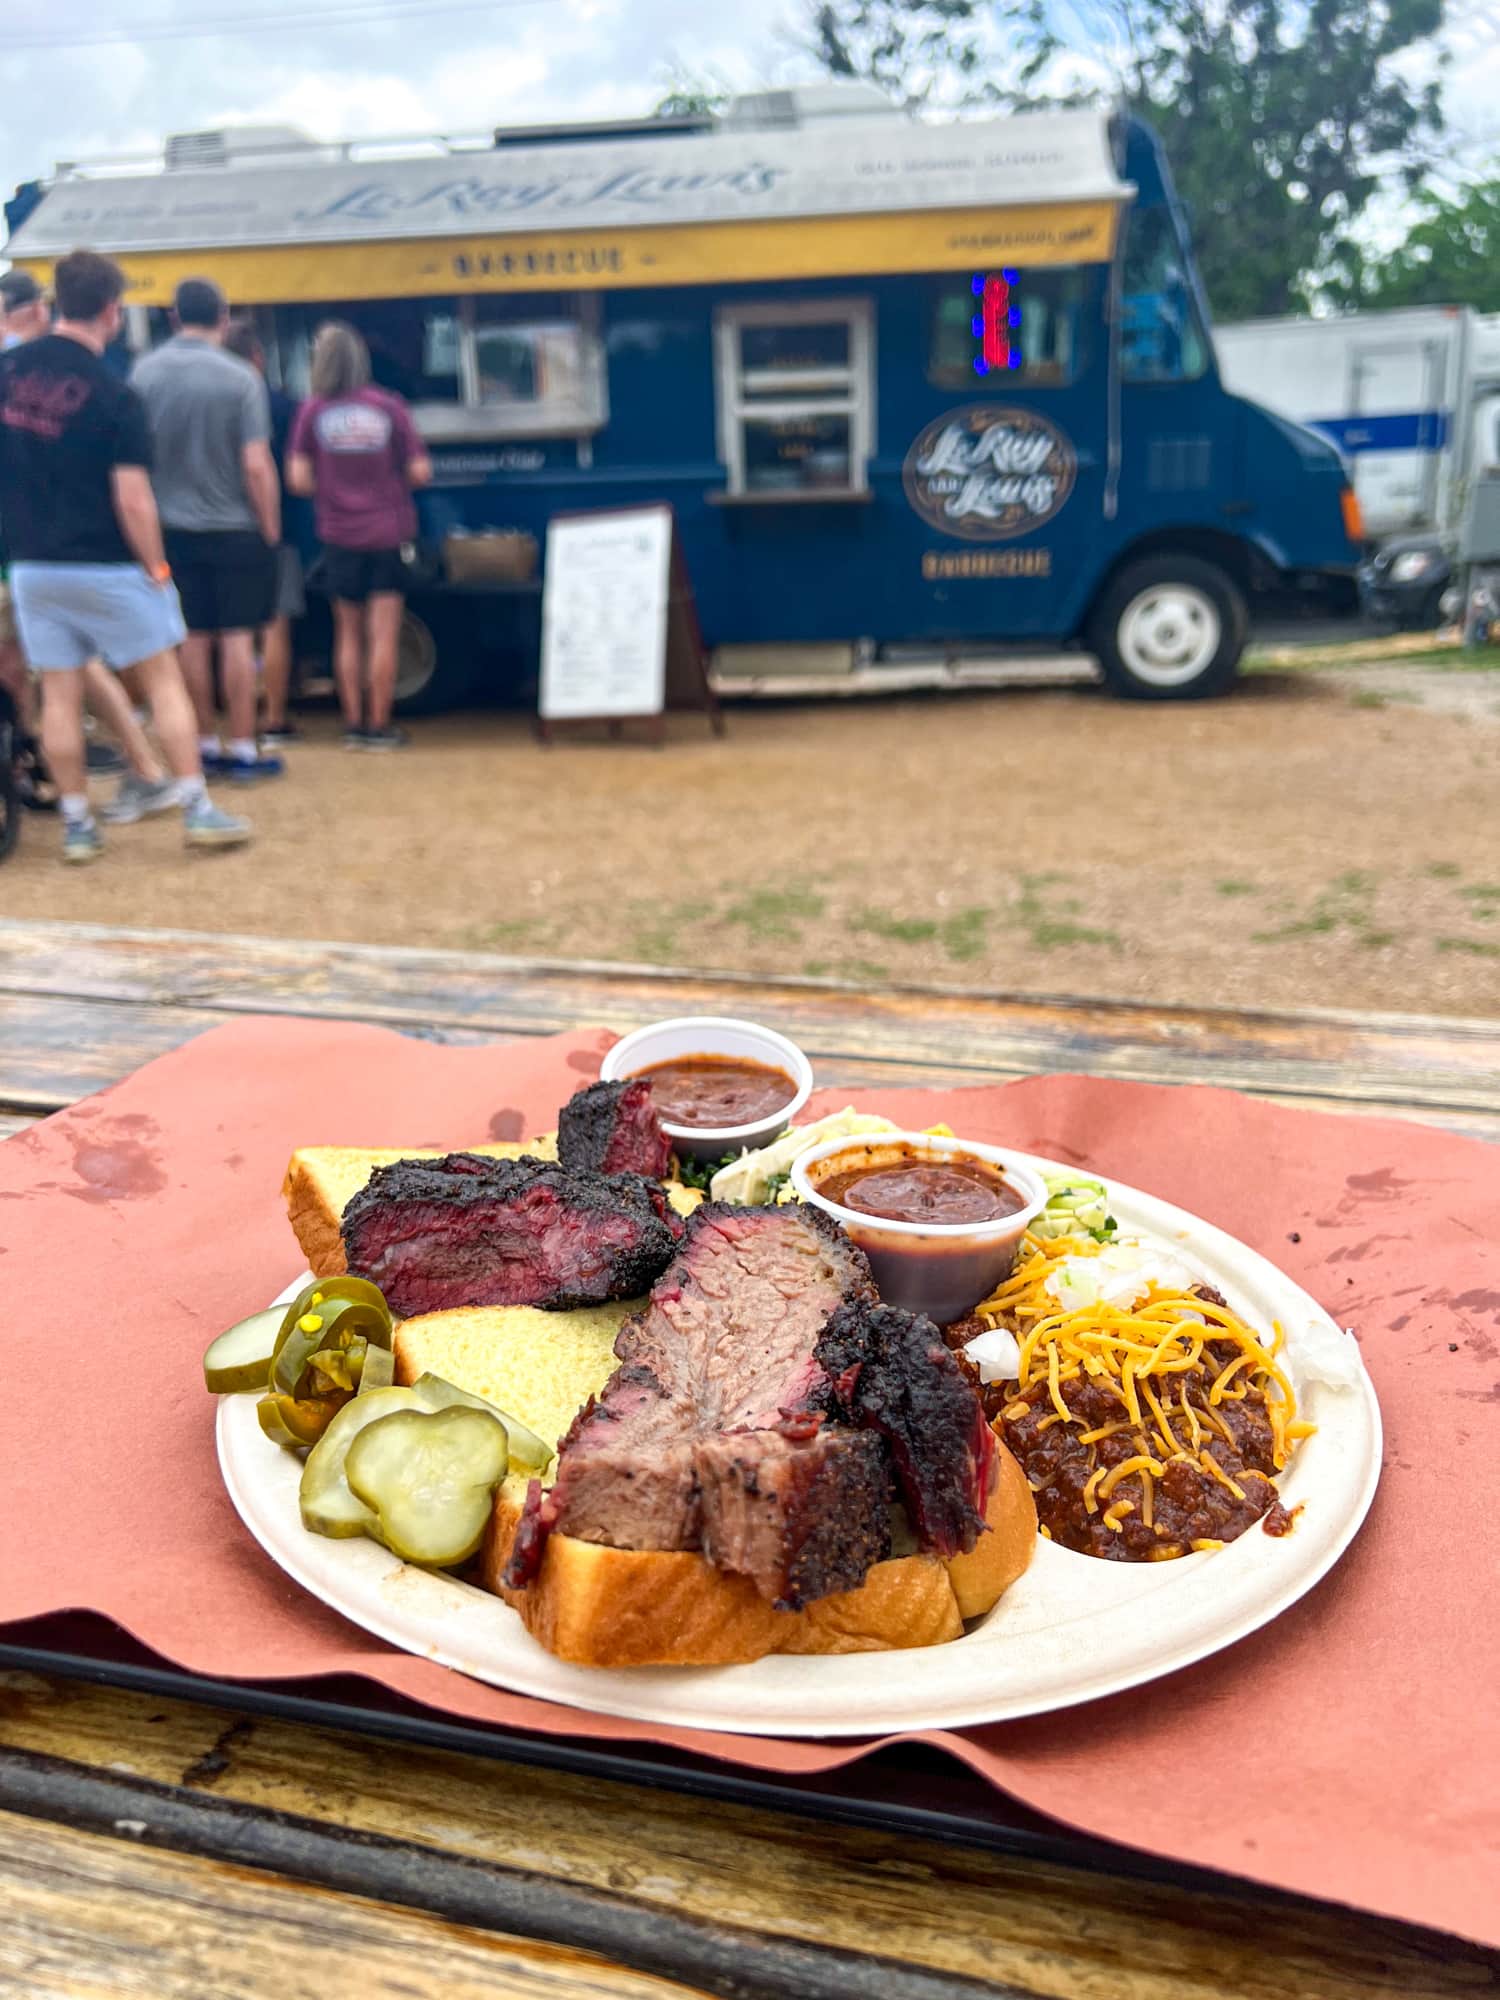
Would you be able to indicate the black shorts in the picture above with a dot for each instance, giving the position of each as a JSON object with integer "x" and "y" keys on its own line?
{"x": 226, "y": 578}
{"x": 355, "y": 574}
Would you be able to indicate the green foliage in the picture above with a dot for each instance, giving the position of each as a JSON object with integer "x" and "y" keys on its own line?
{"x": 1280, "y": 117}
{"x": 1450, "y": 257}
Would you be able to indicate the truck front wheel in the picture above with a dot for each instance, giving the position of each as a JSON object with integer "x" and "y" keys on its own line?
{"x": 1169, "y": 628}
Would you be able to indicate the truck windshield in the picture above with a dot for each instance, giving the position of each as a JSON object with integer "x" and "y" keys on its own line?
{"x": 1163, "y": 338}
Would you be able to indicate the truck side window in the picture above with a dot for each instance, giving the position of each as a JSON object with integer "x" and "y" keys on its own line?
{"x": 795, "y": 396}
{"x": 1161, "y": 336}
{"x": 1045, "y": 325}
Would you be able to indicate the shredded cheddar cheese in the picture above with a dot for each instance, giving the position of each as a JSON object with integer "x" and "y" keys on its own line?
{"x": 1177, "y": 1365}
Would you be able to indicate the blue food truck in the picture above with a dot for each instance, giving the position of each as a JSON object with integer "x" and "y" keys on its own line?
{"x": 906, "y": 387}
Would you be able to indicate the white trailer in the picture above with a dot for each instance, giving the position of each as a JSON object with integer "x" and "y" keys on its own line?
{"x": 1411, "y": 397}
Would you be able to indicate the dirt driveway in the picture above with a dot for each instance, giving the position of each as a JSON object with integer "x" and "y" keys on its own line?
{"x": 1320, "y": 838}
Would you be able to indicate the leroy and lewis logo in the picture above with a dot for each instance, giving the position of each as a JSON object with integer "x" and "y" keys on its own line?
{"x": 987, "y": 472}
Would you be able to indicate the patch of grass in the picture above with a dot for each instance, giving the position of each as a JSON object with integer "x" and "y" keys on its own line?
{"x": 1369, "y": 698}
{"x": 1048, "y": 934}
{"x": 1377, "y": 940}
{"x": 1342, "y": 906}
{"x": 518, "y": 930}
{"x": 1234, "y": 887}
{"x": 901, "y": 930}
{"x": 965, "y": 933}
{"x": 775, "y": 913}
{"x": 1474, "y": 947}
{"x": 1442, "y": 871}
{"x": 655, "y": 938}
{"x": 1481, "y": 892}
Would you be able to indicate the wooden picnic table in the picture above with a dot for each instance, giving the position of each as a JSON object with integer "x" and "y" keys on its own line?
{"x": 181, "y": 1848}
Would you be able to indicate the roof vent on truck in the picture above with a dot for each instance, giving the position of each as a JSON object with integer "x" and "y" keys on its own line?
{"x": 807, "y": 104}
{"x": 238, "y": 146}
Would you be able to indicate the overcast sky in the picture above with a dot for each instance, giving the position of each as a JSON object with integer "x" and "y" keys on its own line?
{"x": 72, "y": 93}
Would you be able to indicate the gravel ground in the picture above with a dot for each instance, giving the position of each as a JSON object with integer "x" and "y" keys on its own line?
{"x": 1320, "y": 838}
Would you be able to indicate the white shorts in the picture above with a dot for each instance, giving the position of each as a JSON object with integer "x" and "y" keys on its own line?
{"x": 70, "y": 613}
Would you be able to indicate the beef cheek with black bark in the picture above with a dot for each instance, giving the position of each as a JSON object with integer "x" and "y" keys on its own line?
{"x": 472, "y": 1231}
{"x": 612, "y": 1128}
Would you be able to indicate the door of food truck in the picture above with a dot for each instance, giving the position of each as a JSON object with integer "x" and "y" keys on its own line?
{"x": 993, "y": 449}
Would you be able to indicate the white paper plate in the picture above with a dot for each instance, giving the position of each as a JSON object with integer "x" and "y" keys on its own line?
{"x": 1072, "y": 1629}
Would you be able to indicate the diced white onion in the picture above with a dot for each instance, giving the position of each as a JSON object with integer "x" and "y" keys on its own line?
{"x": 995, "y": 1354}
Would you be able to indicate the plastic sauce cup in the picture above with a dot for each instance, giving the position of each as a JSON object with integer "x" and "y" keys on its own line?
{"x": 941, "y": 1269}
{"x": 715, "y": 1035}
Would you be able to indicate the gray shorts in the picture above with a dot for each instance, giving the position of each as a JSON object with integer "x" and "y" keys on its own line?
{"x": 70, "y": 613}
{"x": 290, "y": 599}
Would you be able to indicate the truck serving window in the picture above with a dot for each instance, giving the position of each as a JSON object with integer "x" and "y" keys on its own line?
{"x": 1162, "y": 338}
{"x": 470, "y": 367}
{"x": 1040, "y": 323}
{"x": 795, "y": 398}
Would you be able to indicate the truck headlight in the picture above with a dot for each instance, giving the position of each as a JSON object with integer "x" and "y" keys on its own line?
{"x": 1412, "y": 564}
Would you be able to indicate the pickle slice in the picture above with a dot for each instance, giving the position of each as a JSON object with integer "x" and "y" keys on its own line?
{"x": 328, "y": 1506}
{"x": 429, "y": 1478}
{"x": 526, "y": 1448}
{"x": 241, "y": 1356}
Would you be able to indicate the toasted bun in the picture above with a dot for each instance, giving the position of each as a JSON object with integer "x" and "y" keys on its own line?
{"x": 321, "y": 1181}
{"x": 604, "y": 1607}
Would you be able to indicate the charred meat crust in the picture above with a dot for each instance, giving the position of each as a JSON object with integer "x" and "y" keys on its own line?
{"x": 890, "y": 1372}
{"x": 473, "y": 1231}
{"x": 612, "y": 1128}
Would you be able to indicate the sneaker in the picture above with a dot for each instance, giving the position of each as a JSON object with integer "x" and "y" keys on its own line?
{"x": 203, "y": 825}
{"x": 354, "y": 737}
{"x": 103, "y": 759}
{"x": 215, "y": 763}
{"x": 82, "y": 841}
{"x": 286, "y": 732}
{"x": 138, "y": 798}
{"x": 386, "y": 739}
{"x": 250, "y": 771}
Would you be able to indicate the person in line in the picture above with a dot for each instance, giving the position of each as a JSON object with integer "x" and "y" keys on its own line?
{"x": 220, "y": 505}
{"x": 26, "y": 314}
{"x": 276, "y": 729}
{"x": 88, "y": 574}
{"x": 355, "y": 449}
{"x": 24, "y": 311}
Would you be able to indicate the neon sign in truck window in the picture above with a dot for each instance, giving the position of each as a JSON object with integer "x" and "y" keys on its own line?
{"x": 997, "y": 318}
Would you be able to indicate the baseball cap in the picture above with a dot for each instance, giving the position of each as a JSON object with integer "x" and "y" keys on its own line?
{"x": 17, "y": 289}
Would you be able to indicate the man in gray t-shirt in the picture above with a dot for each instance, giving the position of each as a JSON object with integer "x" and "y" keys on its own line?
{"x": 220, "y": 504}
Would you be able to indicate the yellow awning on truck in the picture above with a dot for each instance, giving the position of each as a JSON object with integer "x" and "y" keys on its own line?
{"x": 878, "y": 195}
{"x": 687, "y": 254}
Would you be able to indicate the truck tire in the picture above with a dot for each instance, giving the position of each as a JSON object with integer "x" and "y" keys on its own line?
{"x": 1169, "y": 628}
{"x": 429, "y": 679}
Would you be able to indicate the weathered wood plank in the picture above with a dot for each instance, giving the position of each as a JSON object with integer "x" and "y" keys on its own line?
{"x": 94, "y": 1919}
{"x": 51, "y": 976}
{"x": 964, "y": 1912}
{"x": 54, "y": 1051}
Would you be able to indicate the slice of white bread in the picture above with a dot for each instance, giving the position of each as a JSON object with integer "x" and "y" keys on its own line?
{"x": 606, "y": 1607}
{"x": 321, "y": 1181}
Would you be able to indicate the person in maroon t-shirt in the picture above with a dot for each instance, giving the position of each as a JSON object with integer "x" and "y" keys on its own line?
{"x": 356, "y": 451}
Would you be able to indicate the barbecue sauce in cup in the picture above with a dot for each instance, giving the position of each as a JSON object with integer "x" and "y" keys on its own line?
{"x": 945, "y": 1193}
{"x": 707, "y": 1093}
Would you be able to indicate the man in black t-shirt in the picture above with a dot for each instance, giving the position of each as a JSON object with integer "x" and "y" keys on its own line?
{"x": 87, "y": 572}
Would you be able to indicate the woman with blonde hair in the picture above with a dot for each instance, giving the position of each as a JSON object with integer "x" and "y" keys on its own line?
{"x": 356, "y": 451}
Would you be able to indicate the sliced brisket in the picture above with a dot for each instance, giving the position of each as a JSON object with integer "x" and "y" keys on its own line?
{"x": 612, "y": 1128}
{"x": 472, "y": 1231}
{"x": 802, "y": 1517}
{"x": 725, "y": 1345}
{"x": 891, "y": 1372}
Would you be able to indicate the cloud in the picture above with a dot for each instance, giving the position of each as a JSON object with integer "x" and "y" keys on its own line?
{"x": 527, "y": 63}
